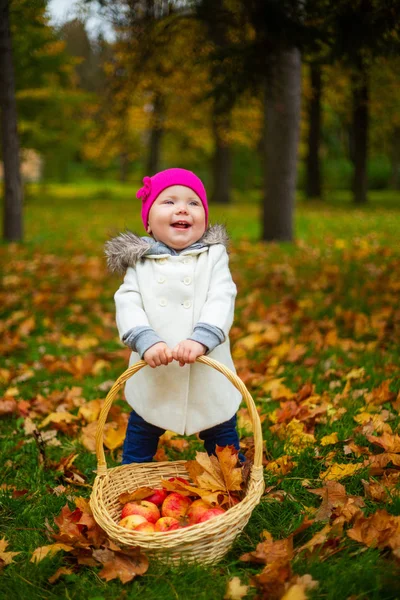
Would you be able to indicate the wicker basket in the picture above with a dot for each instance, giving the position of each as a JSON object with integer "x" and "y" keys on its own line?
{"x": 204, "y": 543}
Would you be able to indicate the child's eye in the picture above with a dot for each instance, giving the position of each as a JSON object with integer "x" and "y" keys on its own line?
{"x": 168, "y": 202}
{"x": 195, "y": 203}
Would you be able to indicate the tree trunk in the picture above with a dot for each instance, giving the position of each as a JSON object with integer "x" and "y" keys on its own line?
{"x": 280, "y": 140}
{"x": 394, "y": 182}
{"x": 222, "y": 161}
{"x": 313, "y": 172}
{"x": 13, "y": 192}
{"x": 360, "y": 135}
{"x": 156, "y": 135}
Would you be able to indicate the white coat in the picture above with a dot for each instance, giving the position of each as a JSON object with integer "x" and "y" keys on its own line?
{"x": 172, "y": 294}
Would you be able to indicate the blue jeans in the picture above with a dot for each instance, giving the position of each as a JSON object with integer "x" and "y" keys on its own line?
{"x": 141, "y": 439}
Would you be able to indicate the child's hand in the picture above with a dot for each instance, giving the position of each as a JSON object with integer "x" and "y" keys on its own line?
{"x": 187, "y": 351}
{"x": 157, "y": 355}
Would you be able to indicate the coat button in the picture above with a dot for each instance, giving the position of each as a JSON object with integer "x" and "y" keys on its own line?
{"x": 161, "y": 279}
{"x": 161, "y": 261}
{"x": 187, "y": 280}
{"x": 187, "y": 260}
{"x": 162, "y": 302}
{"x": 187, "y": 304}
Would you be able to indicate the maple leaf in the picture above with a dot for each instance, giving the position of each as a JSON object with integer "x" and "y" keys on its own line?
{"x": 61, "y": 571}
{"x": 216, "y": 473}
{"x": 319, "y": 539}
{"x": 138, "y": 494}
{"x": 122, "y": 565}
{"x": 332, "y": 438}
{"x": 281, "y": 466}
{"x": 333, "y": 494}
{"x": 114, "y": 432}
{"x": 389, "y": 442}
{"x": 235, "y": 590}
{"x": 40, "y": 553}
{"x": 377, "y": 531}
{"x": 269, "y": 551}
{"x": 6, "y": 557}
{"x": 271, "y": 580}
{"x": 339, "y": 471}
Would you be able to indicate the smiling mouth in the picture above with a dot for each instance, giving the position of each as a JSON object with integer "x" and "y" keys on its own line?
{"x": 180, "y": 225}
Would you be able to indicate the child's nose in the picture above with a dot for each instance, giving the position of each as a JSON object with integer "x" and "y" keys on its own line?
{"x": 181, "y": 208}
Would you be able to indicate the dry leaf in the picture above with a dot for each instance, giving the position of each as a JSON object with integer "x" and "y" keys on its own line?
{"x": 138, "y": 494}
{"x": 270, "y": 551}
{"x": 43, "y": 551}
{"x": 339, "y": 471}
{"x": 6, "y": 557}
{"x": 61, "y": 571}
{"x": 281, "y": 466}
{"x": 235, "y": 590}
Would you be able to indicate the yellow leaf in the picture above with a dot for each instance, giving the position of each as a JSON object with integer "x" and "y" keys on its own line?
{"x": 41, "y": 552}
{"x": 235, "y": 590}
{"x": 332, "y": 438}
{"x": 281, "y": 466}
{"x": 90, "y": 410}
{"x": 355, "y": 374}
{"x": 276, "y": 389}
{"x": 5, "y": 556}
{"x": 339, "y": 471}
{"x": 114, "y": 435}
{"x": 58, "y": 417}
{"x": 295, "y": 592}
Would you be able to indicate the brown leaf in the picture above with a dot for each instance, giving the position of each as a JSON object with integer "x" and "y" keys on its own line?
{"x": 270, "y": 551}
{"x": 389, "y": 442}
{"x": 121, "y": 566}
{"x": 271, "y": 580}
{"x": 333, "y": 494}
{"x": 377, "y": 531}
{"x": 61, "y": 571}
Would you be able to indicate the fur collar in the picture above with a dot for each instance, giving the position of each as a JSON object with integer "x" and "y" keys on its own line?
{"x": 127, "y": 249}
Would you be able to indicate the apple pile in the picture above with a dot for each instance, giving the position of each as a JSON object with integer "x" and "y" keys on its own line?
{"x": 165, "y": 510}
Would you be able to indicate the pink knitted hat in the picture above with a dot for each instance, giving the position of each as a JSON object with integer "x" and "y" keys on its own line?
{"x": 153, "y": 186}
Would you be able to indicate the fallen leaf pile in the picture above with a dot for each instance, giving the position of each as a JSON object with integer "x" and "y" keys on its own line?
{"x": 315, "y": 340}
{"x": 86, "y": 544}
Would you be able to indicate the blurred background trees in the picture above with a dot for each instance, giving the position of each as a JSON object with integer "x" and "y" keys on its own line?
{"x": 259, "y": 97}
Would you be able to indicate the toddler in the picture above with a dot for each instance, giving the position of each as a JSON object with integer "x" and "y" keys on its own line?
{"x": 176, "y": 303}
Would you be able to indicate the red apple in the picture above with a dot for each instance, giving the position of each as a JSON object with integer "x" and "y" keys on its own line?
{"x": 175, "y": 505}
{"x": 157, "y": 497}
{"x": 147, "y": 509}
{"x": 196, "y": 511}
{"x": 146, "y": 527}
{"x": 132, "y": 521}
{"x": 210, "y": 514}
{"x": 167, "y": 524}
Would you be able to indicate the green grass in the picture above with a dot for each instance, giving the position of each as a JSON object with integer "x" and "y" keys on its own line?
{"x": 340, "y": 275}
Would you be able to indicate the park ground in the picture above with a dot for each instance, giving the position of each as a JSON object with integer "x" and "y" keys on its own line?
{"x": 316, "y": 340}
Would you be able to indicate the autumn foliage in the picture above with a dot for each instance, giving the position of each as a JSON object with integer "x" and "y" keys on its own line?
{"x": 315, "y": 340}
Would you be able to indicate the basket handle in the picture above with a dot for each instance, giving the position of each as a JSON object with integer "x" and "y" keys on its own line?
{"x": 233, "y": 378}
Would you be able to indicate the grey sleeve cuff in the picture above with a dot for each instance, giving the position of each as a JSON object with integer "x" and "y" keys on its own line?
{"x": 141, "y": 339}
{"x": 208, "y": 335}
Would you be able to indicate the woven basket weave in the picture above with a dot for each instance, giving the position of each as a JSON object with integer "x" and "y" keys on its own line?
{"x": 204, "y": 543}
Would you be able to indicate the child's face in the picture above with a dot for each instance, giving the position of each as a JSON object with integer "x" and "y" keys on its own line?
{"x": 177, "y": 217}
